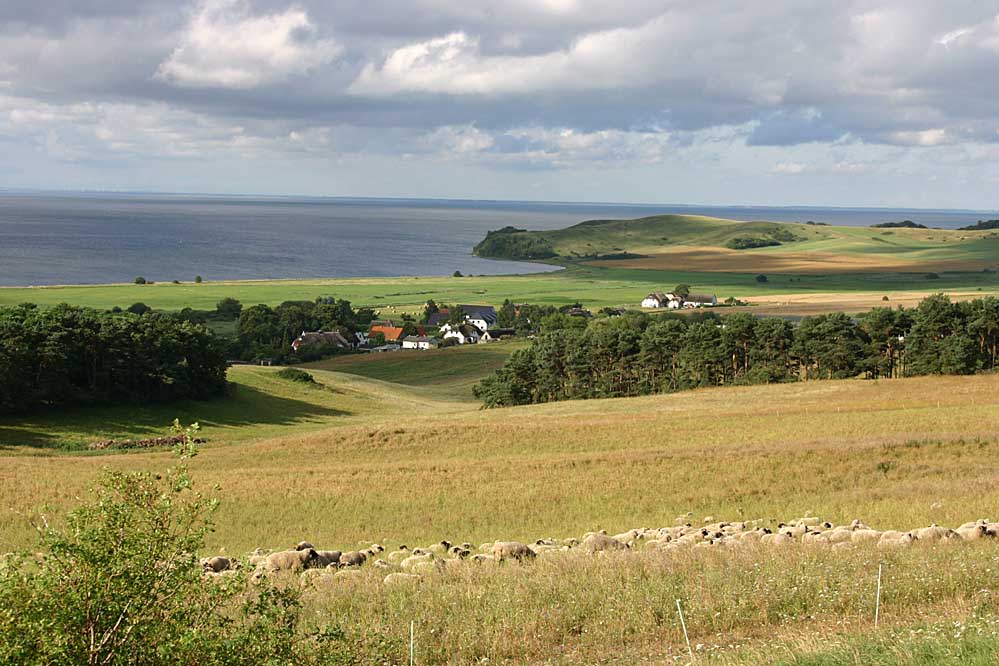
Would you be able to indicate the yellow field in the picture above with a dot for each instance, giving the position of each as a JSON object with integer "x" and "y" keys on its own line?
{"x": 405, "y": 466}
{"x": 781, "y": 260}
{"x": 420, "y": 470}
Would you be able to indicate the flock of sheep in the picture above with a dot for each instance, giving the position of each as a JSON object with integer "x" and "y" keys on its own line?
{"x": 410, "y": 565}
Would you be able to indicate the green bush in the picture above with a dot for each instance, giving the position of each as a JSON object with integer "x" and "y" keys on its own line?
{"x": 750, "y": 242}
{"x": 296, "y": 375}
{"x": 120, "y": 583}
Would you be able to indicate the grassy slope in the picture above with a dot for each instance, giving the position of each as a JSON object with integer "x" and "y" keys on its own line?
{"x": 418, "y": 471}
{"x": 656, "y": 234}
{"x": 445, "y": 373}
{"x": 405, "y": 465}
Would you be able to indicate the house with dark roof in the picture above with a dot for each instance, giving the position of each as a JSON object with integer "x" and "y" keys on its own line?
{"x": 700, "y": 300}
{"x": 439, "y": 318}
{"x": 330, "y": 338}
{"x": 482, "y": 317}
{"x": 465, "y": 334}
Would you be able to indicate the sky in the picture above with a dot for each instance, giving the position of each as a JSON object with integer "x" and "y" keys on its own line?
{"x": 775, "y": 102}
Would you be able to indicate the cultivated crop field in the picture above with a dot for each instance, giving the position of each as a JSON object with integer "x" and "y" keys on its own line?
{"x": 397, "y": 464}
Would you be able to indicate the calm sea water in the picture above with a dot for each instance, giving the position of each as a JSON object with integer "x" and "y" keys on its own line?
{"x": 101, "y": 238}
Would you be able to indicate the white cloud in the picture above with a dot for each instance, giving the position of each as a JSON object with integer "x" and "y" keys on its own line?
{"x": 929, "y": 137}
{"x": 788, "y": 168}
{"x": 224, "y": 46}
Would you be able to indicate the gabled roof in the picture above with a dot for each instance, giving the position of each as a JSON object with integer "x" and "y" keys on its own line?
{"x": 390, "y": 332}
{"x": 484, "y": 312}
{"x": 700, "y": 298}
{"x": 418, "y": 338}
{"x": 320, "y": 338}
{"x": 439, "y": 318}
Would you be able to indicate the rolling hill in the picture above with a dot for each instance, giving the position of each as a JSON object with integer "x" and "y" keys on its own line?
{"x": 706, "y": 244}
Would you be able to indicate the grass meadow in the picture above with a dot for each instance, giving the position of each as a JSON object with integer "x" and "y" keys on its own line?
{"x": 366, "y": 458}
{"x": 593, "y": 286}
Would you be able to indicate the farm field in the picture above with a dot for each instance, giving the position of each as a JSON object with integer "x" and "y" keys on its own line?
{"x": 594, "y": 287}
{"x": 403, "y": 464}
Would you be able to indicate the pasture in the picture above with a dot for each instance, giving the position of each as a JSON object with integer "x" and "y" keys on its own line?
{"x": 593, "y": 286}
{"x": 366, "y": 458}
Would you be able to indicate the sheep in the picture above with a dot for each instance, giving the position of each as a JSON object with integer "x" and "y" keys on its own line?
{"x": 328, "y": 557}
{"x": 304, "y": 545}
{"x": 216, "y": 564}
{"x": 381, "y": 564}
{"x": 401, "y": 579}
{"x": 411, "y": 561}
{"x": 291, "y": 560}
{"x": 503, "y": 550}
{"x": 397, "y": 556}
{"x": 902, "y": 541}
{"x": 864, "y": 536}
{"x": 972, "y": 533}
{"x": 933, "y": 533}
{"x": 354, "y": 558}
{"x": 439, "y": 548}
{"x": 596, "y": 542}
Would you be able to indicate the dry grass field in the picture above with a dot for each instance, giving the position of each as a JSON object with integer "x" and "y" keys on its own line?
{"x": 408, "y": 466}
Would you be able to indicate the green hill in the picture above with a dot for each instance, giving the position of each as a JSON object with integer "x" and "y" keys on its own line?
{"x": 634, "y": 242}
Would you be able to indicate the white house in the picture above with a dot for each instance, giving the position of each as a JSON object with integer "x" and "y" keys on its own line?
{"x": 419, "y": 342}
{"x": 700, "y": 301}
{"x": 483, "y": 317}
{"x": 465, "y": 334}
{"x": 658, "y": 299}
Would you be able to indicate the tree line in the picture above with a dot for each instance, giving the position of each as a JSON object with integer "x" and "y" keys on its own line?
{"x": 66, "y": 355}
{"x": 638, "y": 354}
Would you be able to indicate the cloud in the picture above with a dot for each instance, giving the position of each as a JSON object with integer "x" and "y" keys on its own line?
{"x": 788, "y": 168}
{"x": 226, "y": 47}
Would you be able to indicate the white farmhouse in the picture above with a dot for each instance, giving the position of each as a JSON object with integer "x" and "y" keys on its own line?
{"x": 419, "y": 342}
{"x": 658, "y": 299}
{"x": 465, "y": 334}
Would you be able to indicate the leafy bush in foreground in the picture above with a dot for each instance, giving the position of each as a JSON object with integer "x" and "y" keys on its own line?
{"x": 120, "y": 583}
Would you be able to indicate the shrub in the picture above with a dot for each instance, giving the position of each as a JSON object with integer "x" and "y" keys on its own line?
{"x": 750, "y": 242}
{"x": 761, "y": 278}
{"x": 120, "y": 584}
{"x": 457, "y": 274}
{"x": 140, "y": 280}
{"x": 139, "y": 308}
{"x": 197, "y": 279}
{"x": 296, "y": 375}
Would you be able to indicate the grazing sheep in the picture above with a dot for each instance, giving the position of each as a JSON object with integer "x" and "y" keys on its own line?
{"x": 291, "y": 560}
{"x": 399, "y": 555}
{"x": 411, "y": 561}
{"x": 216, "y": 564}
{"x": 504, "y": 550}
{"x": 401, "y": 579}
{"x": 864, "y": 536}
{"x": 354, "y": 558}
{"x": 439, "y": 548}
{"x": 304, "y": 545}
{"x": 972, "y": 533}
{"x": 328, "y": 557}
{"x": 903, "y": 541}
{"x": 597, "y": 542}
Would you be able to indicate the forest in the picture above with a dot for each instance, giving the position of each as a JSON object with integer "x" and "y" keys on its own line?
{"x": 66, "y": 355}
{"x": 638, "y": 354}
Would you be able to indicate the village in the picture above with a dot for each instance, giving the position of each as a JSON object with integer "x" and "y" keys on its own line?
{"x": 473, "y": 324}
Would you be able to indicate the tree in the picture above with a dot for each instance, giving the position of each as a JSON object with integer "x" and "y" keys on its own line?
{"x": 140, "y": 280}
{"x": 229, "y": 308}
{"x": 139, "y": 308}
{"x": 682, "y": 290}
{"x": 761, "y": 279}
{"x": 457, "y": 274}
{"x": 703, "y": 358}
{"x": 507, "y": 315}
{"x": 197, "y": 279}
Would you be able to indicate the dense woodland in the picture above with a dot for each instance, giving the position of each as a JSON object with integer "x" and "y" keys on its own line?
{"x": 266, "y": 332}
{"x": 639, "y": 354}
{"x": 69, "y": 355}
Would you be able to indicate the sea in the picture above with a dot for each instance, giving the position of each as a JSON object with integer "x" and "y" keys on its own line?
{"x": 98, "y": 238}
